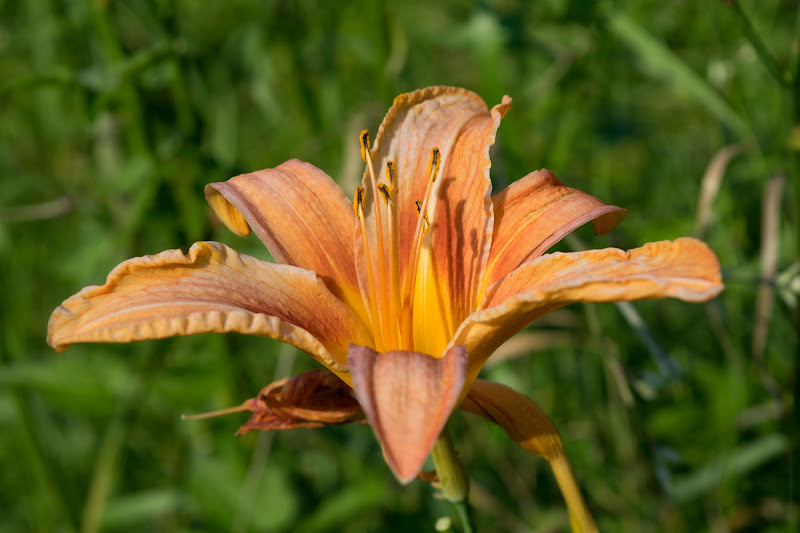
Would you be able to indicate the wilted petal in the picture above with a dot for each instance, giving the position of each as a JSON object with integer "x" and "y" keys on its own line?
{"x": 212, "y": 289}
{"x": 531, "y": 428}
{"x": 686, "y": 269}
{"x": 407, "y": 397}
{"x": 534, "y": 213}
{"x": 312, "y": 399}
{"x": 302, "y": 217}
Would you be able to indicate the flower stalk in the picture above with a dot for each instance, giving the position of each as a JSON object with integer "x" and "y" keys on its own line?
{"x": 453, "y": 479}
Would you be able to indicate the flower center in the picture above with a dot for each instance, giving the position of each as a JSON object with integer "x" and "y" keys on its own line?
{"x": 390, "y": 299}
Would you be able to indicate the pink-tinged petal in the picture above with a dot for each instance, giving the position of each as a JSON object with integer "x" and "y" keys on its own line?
{"x": 534, "y": 213}
{"x": 212, "y": 289}
{"x": 528, "y": 425}
{"x": 686, "y": 269}
{"x": 407, "y": 398}
{"x": 303, "y": 218}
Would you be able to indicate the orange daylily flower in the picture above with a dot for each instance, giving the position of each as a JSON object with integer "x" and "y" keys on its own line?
{"x": 424, "y": 267}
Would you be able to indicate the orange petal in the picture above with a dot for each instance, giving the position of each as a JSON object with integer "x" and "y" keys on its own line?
{"x": 523, "y": 420}
{"x": 686, "y": 269}
{"x": 302, "y": 217}
{"x": 534, "y": 213}
{"x": 461, "y": 234}
{"x": 457, "y": 122}
{"x": 531, "y": 428}
{"x": 212, "y": 289}
{"x": 407, "y": 398}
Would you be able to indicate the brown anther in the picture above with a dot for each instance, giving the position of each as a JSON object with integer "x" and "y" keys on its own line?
{"x": 425, "y": 223}
{"x": 435, "y": 162}
{"x": 387, "y": 195}
{"x": 390, "y": 173}
{"x": 358, "y": 201}
{"x": 364, "y": 140}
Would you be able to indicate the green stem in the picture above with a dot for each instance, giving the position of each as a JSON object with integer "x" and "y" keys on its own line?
{"x": 452, "y": 478}
{"x": 465, "y": 516}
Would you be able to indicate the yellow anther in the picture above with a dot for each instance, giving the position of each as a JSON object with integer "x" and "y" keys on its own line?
{"x": 436, "y": 160}
{"x": 390, "y": 173}
{"x": 364, "y": 139}
{"x": 387, "y": 195}
{"x": 358, "y": 201}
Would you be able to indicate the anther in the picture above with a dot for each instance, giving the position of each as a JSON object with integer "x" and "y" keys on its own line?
{"x": 358, "y": 201}
{"x": 387, "y": 195}
{"x": 390, "y": 173}
{"x": 425, "y": 223}
{"x": 434, "y": 166}
{"x": 364, "y": 137}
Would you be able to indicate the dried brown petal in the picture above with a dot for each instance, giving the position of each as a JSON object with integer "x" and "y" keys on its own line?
{"x": 312, "y": 399}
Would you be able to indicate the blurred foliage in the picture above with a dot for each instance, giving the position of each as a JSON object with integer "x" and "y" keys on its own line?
{"x": 115, "y": 115}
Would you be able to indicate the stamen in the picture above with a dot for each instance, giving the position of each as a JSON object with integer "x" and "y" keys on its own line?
{"x": 382, "y": 301}
{"x": 423, "y": 226}
{"x": 390, "y": 173}
{"x": 387, "y": 195}
{"x": 426, "y": 226}
{"x": 395, "y": 307}
{"x": 358, "y": 206}
{"x": 364, "y": 138}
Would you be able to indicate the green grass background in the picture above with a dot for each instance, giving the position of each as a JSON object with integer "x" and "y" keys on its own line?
{"x": 114, "y": 115}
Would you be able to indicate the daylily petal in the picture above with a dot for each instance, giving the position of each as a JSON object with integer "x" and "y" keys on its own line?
{"x": 407, "y": 398}
{"x": 531, "y": 428}
{"x": 417, "y": 123}
{"x": 302, "y": 217}
{"x": 452, "y": 267}
{"x": 686, "y": 269}
{"x": 212, "y": 289}
{"x": 312, "y": 399}
{"x": 534, "y": 213}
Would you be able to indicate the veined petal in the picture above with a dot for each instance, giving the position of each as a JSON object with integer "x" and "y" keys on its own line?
{"x": 530, "y": 427}
{"x": 302, "y": 217}
{"x": 407, "y": 398}
{"x": 453, "y": 266}
{"x": 418, "y": 122}
{"x": 686, "y": 269}
{"x": 534, "y": 213}
{"x": 212, "y": 289}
